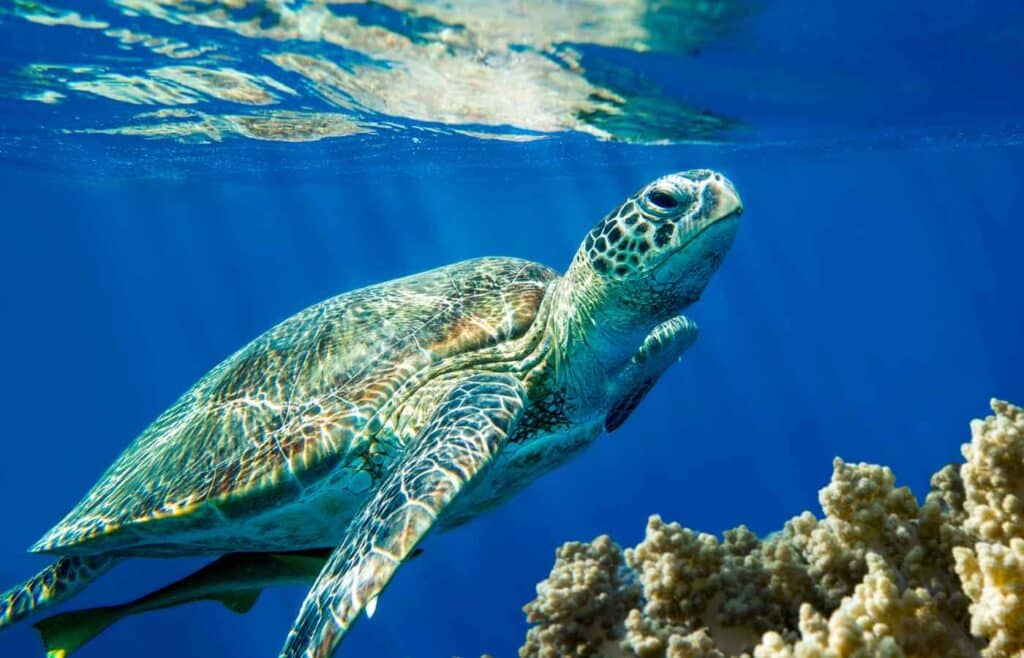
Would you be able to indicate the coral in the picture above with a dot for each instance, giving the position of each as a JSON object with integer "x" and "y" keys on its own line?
{"x": 879, "y": 619}
{"x": 992, "y": 570}
{"x": 877, "y": 576}
{"x": 993, "y": 577}
{"x": 993, "y": 476}
{"x": 580, "y": 604}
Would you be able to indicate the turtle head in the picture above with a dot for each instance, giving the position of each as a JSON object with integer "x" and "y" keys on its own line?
{"x": 653, "y": 255}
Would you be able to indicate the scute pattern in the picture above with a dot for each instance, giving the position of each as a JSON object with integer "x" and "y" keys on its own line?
{"x": 313, "y": 391}
{"x": 618, "y": 243}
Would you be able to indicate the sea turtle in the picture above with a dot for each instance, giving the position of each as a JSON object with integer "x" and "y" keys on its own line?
{"x": 370, "y": 418}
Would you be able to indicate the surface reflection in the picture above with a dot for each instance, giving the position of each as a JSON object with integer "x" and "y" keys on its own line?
{"x": 309, "y": 70}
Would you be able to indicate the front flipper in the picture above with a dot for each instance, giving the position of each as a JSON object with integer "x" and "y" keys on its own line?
{"x": 662, "y": 347}
{"x": 464, "y": 433}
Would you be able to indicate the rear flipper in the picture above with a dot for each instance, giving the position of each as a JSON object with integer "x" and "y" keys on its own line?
{"x": 66, "y": 632}
{"x": 234, "y": 580}
{"x": 54, "y": 584}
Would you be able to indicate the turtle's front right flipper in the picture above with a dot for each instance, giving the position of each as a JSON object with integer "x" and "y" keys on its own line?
{"x": 662, "y": 347}
{"x": 54, "y": 584}
{"x": 464, "y": 433}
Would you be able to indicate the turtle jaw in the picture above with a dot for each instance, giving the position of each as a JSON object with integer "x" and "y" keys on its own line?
{"x": 680, "y": 277}
{"x": 680, "y": 280}
{"x": 704, "y": 237}
{"x": 719, "y": 203}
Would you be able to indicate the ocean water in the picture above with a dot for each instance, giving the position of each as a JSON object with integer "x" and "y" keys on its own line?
{"x": 177, "y": 177}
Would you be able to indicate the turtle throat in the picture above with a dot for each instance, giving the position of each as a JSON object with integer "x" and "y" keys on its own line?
{"x": 596, "y": 324}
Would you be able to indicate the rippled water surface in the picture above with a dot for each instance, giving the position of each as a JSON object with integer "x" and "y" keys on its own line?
{"x": 179, "y": 176}
{"x": 202, "y": 72}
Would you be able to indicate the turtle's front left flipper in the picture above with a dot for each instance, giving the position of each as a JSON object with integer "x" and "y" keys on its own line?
{"x": 464, "y": 433}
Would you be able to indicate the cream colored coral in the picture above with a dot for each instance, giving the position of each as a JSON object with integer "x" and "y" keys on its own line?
{"x": 678, "y": 569}
{"x": 878, "y": 619}
{"x": 877, "y": 576}
{"x": 863, "y": 511}
{"x": 993, "y": 577}
{"x": 647, "y": 637}
{"x": 994, "y": 475}
{"x": 580, "y": 607}
{"x": 992, "y": 570}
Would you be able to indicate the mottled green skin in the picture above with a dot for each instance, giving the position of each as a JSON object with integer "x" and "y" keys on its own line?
{"x": 325, "y": 394}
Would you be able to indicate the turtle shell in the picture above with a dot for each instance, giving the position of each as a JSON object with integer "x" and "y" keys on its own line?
{"x": 278, "y": 415}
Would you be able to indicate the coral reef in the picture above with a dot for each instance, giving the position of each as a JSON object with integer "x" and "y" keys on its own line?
{"x": 878, "y": 575}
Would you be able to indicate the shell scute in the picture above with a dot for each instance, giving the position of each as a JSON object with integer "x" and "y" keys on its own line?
{"x": 287, "y": 409}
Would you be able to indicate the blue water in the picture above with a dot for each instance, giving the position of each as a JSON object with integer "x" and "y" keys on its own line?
{"x": 871, "y": 305}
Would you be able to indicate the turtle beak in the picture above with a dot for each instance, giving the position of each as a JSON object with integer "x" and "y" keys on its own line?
{"x": 709, "y": 234}
{"x": 727, "y": 199}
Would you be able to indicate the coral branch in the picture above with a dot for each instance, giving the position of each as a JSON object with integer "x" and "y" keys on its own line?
{"x": 878, "y": 575}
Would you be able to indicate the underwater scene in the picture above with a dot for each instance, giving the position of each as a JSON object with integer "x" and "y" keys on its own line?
{"x": 667, "y": 328}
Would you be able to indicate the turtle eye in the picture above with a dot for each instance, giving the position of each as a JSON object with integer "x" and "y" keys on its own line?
{"x": 662, "y": 200}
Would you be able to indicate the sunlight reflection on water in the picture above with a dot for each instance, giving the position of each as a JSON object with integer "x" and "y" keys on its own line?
{"x": 300, "y": 71}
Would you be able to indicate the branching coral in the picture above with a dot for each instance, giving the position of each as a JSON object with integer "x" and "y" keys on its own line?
{"x": 580, "y": 604}
{"x": 992, "y": 570}
{"x": 878, "y": 575}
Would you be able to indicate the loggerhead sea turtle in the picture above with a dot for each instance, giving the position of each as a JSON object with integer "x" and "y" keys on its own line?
{"x": 365, "y": 420}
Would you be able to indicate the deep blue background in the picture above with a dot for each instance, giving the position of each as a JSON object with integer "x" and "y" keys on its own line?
{"x": 870, "y": 307}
